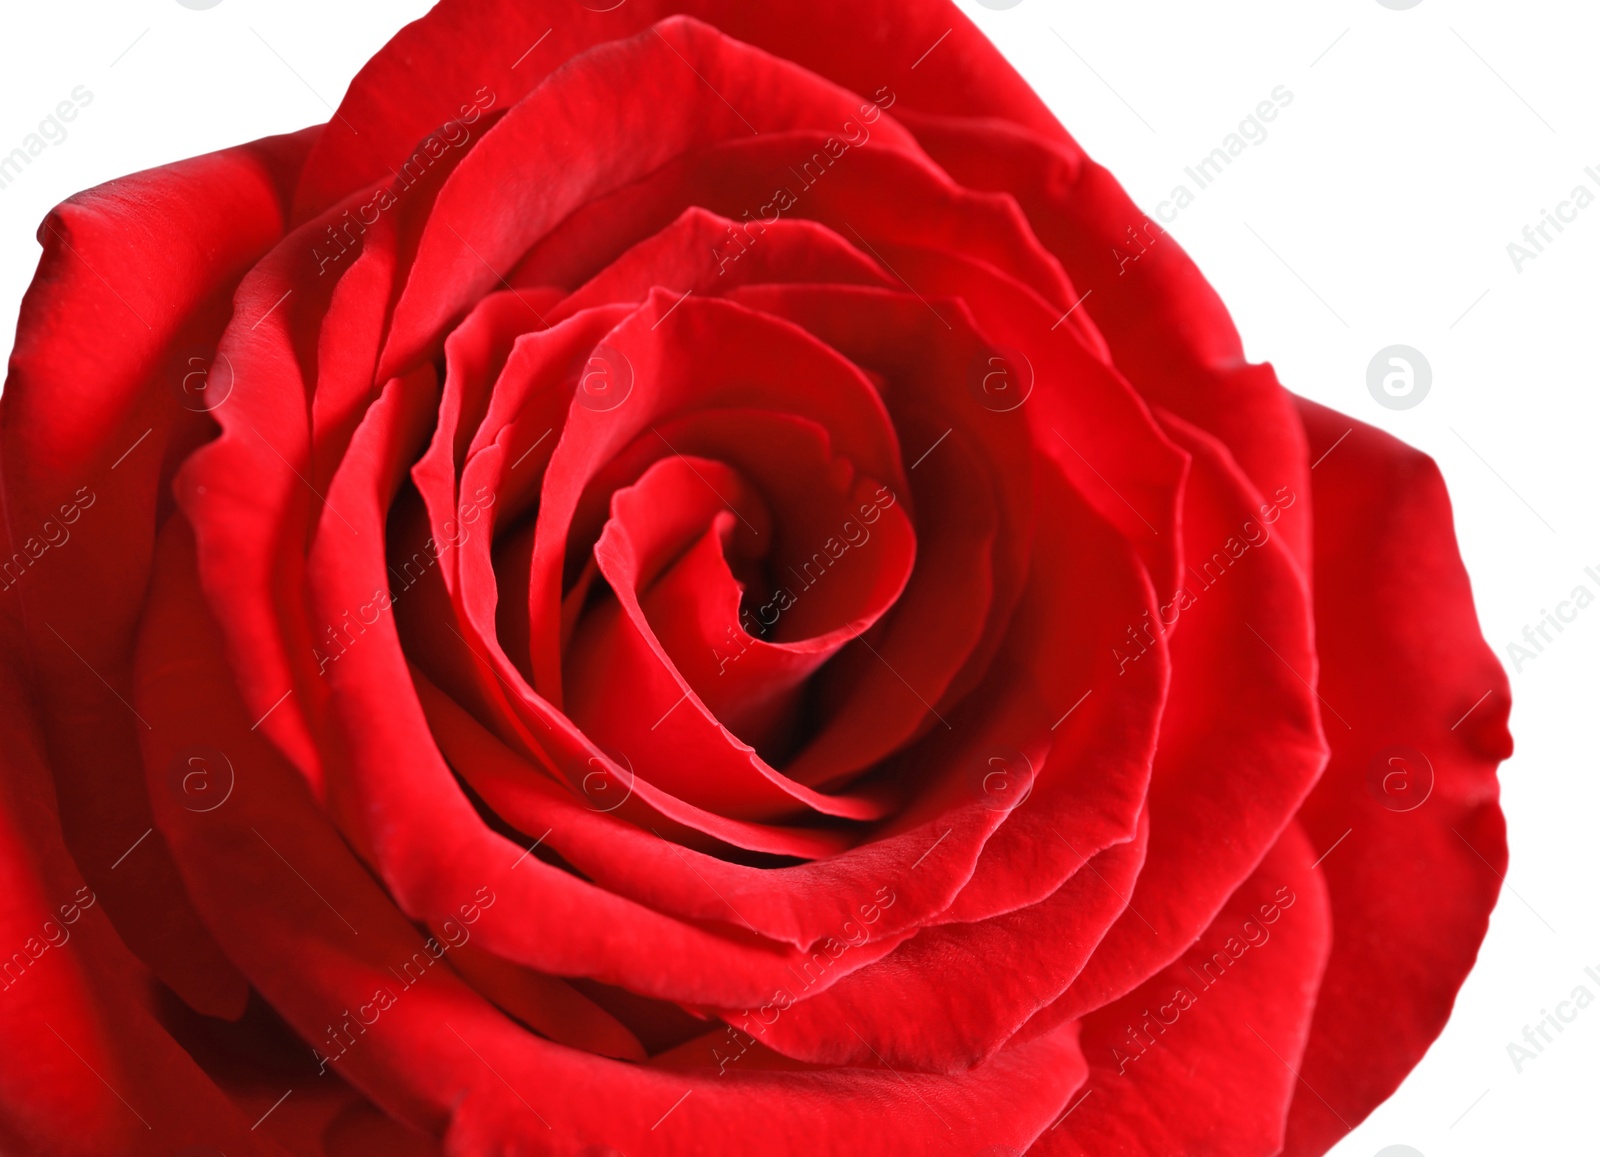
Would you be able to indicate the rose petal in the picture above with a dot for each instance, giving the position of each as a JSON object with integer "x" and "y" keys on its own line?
{"x": 1166, "y": 328}
{"x": 130, "y": 296}
{"x": 1241, "y": 740}
{"x": 396, "y": 99}
{"x": 1389, "y": 583}
{"x": 99, "y": 1074}
{"x": 492, "y": 209}
{"x": 1218, "y": 1034}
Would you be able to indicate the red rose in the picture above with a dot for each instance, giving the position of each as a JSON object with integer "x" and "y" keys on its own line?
{"x": 656, "y": 586}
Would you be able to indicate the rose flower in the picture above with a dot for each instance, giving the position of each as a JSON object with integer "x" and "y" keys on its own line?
{"x": 657, "y": 586}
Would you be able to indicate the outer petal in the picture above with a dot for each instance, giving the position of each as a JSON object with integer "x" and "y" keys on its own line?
{"x": 1241, "y": 742}
{"x": 87, "y": 1068}
{"x": 1404, "y": 662}
{"x": 1167, "y": 329}
{"x": 136, "y": 275}
{"x": 1202, "y": 1059}
{"x": 426, "y": 73}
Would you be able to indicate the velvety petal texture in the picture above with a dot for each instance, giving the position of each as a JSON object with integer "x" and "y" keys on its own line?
{"x": 664, "y": 595}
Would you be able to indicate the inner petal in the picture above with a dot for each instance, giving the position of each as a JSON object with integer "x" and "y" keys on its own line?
{"x": 672, "y": 667}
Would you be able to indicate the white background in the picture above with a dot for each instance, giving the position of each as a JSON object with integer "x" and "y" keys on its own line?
{"x": 1419, "y": 143}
